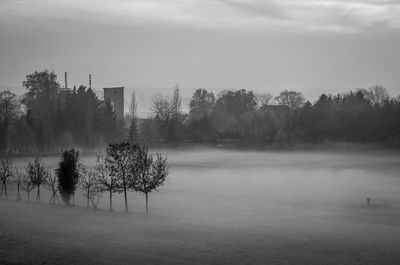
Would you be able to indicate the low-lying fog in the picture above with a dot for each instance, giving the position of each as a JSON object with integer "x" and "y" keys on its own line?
{"x": 235, "y": 188}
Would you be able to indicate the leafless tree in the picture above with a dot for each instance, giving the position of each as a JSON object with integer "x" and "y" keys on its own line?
{"x": 18, "y": 179}
{"x": 90, "y": 186}
{"x": 120, "y": 158}
{"x": 27, "y": 185}
{"x": 377, "y": 95}
{"x": 149, "y": 174}
{"x": 51, "y": 185}
{"x": 108, "y": 182}
{"x": 37, "y": 174}
{"x": 6, "y": 172}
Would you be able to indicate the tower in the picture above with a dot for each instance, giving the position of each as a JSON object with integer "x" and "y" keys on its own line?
{"x": 116, "y": 96}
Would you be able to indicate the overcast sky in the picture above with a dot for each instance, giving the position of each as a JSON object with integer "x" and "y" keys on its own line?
{"x": 313, "y": 46}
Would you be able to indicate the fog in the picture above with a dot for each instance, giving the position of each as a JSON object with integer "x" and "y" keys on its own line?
{"x": 245, "y": 188}
{"x": 261, "y": 203}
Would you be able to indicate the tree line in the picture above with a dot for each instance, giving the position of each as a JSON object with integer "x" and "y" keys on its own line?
{"x": 244, "y": 118}
{"x": 50, "y": 119}
{"x": 126, "y": 167}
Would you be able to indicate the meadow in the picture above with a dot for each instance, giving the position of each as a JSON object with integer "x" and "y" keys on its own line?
{"x": 223, "y": 207}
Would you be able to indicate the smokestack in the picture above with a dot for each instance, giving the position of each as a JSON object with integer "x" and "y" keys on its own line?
{"x": 66, "y": 82}
{"x": 90, "y": 81}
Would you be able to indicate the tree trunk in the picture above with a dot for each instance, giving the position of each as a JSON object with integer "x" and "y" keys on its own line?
{"x": 5, "y": 190}
{"x": 125, "y": 195}
{"x": 147, "y": 204}
{"x": 111, "y": 208}
{"x": 29, "y": 198}
{"x": 19, "y": 194}
{"x": 38, "y": 193}
{"x": 87, "y": 202}
{"x": 73, "y": 199}
{"x": 126, "y": 200}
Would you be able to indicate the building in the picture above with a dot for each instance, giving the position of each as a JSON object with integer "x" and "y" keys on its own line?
{"x": 116, "y": 96}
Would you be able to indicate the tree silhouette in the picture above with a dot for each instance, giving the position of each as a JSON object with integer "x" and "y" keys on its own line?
{"x": 149, "y": 174}
{"x": 51, "y": 185}
{"x": 9, "y": 108}
{"x": 68, "y": 174}
{"x": 37, "y": 173}
{"x": 120, "y": 159}
{"x": 27, "y": 185}
{"x": 89, "y": 185}
{"x": 6, "y": 172}
{"x": 41, "y": 101}
{"x": 18, "y": 180}
{"x": 108, "y": 182}
{"x": 133, "y": 130}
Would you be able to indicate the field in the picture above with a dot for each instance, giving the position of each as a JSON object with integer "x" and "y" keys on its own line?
{"x": 224, "y": 207}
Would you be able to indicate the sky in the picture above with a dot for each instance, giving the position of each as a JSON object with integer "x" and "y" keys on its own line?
{"x": 312, "y": 46}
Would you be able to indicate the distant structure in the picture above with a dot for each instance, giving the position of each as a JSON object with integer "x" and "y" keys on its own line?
{"x": 116, "y": 96}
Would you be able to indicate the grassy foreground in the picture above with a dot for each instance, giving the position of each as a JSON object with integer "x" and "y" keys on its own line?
{"x": 46, "y": 234}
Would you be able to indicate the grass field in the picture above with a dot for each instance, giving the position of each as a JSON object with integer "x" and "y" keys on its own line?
{"x": 222, "y": 207}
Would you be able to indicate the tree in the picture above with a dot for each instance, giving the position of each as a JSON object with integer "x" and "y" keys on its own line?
{"x": 38, "y": 174}
{"x": 89, "y": 185}
{"x": 149, "y": 174}
{"x": 68, "y": 174}
{"x": 292, "y": 99}
{"x": 51, "y": 185}
{"x": 18, "y": 179}
{"x": 175, "y": 109}
{"x": 377, "y": 95}
{"x": 200, "y": 108}
{"x": 263, "y": 99}
{"x": 9, "y": 109}
{"x": 6, "y": 172}
{"x": 109, "y": 123}
{"x": 230, "y": 110}
{"x": 27, "y": 186}
{"x": 133, "y": 131}
{"x": 162, "y": 114}
{"x": 120, "y": 159}
{"x": 41, "y": 102}
{"x": 108, "y": 182}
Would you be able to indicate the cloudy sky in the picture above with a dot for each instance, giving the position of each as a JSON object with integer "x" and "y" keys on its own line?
{"x": 266, "y": 45}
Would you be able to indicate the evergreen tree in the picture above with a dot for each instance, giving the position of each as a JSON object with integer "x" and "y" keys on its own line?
{"x": 68, "y": 174}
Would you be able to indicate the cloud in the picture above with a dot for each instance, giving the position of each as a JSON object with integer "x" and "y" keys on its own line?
{"x": 294, "y": 15}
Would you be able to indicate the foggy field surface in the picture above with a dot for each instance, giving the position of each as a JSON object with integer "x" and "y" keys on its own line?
{"x": 223, "y": 207}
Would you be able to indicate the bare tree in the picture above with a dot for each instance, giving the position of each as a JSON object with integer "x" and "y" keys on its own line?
{"x": 6, "y": 172}
{"x": 27, "y": 185}
{"x": 108, "y": 182}
{"x": 377, "y": 95}
{"x": 88, "y": 184}
{"x": 120, "y": 158}
{"x": 18, "y": 179}
{"x": 149, "y": 174}
{"x": 51, "y": 185}
{"x": 37, "y": 174}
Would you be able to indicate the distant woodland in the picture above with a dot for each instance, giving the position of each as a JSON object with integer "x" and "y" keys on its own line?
{"x": 48, "y": 119}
